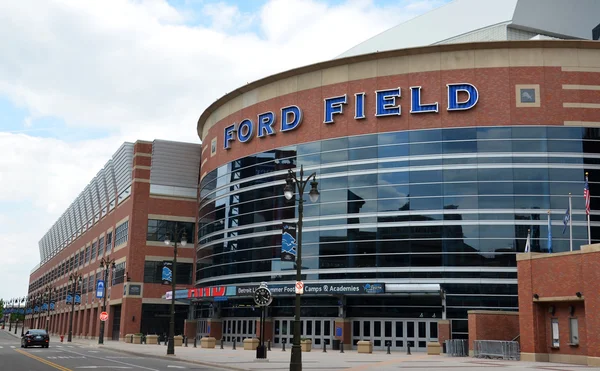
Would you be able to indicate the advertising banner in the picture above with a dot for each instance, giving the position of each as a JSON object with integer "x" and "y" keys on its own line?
{"x": 288, "y": 242}
{"x": 77, "y": 298}
{"x": 69, "y": 298}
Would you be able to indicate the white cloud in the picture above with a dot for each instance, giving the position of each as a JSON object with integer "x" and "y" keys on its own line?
{"x": 137, "y": 70}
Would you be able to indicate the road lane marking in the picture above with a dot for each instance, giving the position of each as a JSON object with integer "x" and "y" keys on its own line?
{"x": 112, "y": 360}
{"x": 171, "y": 366}
{"x": 109, "y": 367}
{"x": 12, "y": 347}
{"x": 39, "y": 359}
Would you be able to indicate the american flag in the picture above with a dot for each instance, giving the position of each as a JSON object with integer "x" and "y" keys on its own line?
{"x": 586, "y": 195}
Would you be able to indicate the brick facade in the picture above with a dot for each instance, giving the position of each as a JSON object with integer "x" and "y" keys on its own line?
{"x": 135, "y": 210}
{"x": 492, "y": 325}
{"x": 560, "y": 287}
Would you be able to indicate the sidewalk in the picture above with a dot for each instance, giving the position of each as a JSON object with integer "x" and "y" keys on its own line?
{"x": 240, "y": 359}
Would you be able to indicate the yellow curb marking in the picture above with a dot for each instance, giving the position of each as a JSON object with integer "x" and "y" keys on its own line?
{"x": 59, "y": 367}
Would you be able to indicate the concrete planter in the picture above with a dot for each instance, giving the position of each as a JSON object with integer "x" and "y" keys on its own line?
{"x": 306, "y": 345}
{"x": 434, "y": 349}
{"x": 128, "y": 338}
{"x": 208, "y": 342}
{"x": 365, "y": 346}
{"x": 137, "y": 339}
{"x": 178, "y": 340}
{"x": 152, "y": 339}
{"x": 250, "y": 343}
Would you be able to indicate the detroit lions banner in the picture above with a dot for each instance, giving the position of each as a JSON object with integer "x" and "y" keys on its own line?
{"x": 167, "y": 272}
{"x": 288, "y": 242}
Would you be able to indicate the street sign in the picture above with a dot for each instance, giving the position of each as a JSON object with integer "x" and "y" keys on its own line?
{"x": 103, "y": 316}
{"x": 299, "y": 287}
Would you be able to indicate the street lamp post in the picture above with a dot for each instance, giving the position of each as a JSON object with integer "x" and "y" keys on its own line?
{"x": 293, "y": 182}
{"x": 176, "y": 233}
{"x": 105, "y": 264}
{"x": 74, "y": 279}
{"x": 25, "y": 316}
{"x": 49, "y": 291}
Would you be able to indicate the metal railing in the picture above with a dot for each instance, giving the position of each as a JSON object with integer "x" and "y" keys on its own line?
{"x": 497, "y": 349}
{"x": 457, "y": 348}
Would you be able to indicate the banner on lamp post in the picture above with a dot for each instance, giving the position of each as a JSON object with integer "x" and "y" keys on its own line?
{"x": 167, "y": 272}
{"x": 289, "y": 243}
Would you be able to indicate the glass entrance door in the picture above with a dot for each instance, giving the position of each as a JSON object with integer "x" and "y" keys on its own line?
{"x": 238, "y": 329}
{"x": 398, "y": 333}
{"x": 319, "y": 330}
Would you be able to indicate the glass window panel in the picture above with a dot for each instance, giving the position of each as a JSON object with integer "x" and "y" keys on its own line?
{"x": 495, "y": 188}
{"x": 494, "y": 146}
{"x": 538, "y": 145}
{"x": 559, "y": 132}
{"x": 362, "y": 141}
{"x": 532, "y": 202}
{"x": 425, "y": 135}
{"x": 400, "y": 177}
{"x": 362, "y": 153}
{"x": 566, "y": 175}
{"x": 331, "y": 183}
{"x": 425, "y": 149}
{"x": 334, "y": 144}
{"x": 334, "y": 156}
{"x": 418, "y": 190}
{"x": 493, "y": 202}
{"x": 410, "y": 329}
{"x": 427, "y": 176}
{"x": 459, "y": 134}
{"x": 363, "y": 180}
{"x": 308, "y": 148}
{"x": 366, "y": 328}
{"x": 393, "y": 151}
{"x": 466, "y": 188}
{"x": 565, "y": 146}
{"x": 494, "y": 174}
{"x": 459, "y": 147}
{"x": 494, "y": 133}
{"x": 460, "y": 175}
{"x": 529, "y": 132}
{"x": 531, "y": 188}
{"x": 392, "y": 138}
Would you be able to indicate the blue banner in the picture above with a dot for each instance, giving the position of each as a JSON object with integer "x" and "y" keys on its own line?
{"x": 77, "y": 298}
{"x": 100, "y": 289}
{"x": 167, "y": 272}
{"x": 52, "y": 305}
{"x": 69, "y": 298}
{"x": 288, "y": 242}
{"x": 45, "y": 306}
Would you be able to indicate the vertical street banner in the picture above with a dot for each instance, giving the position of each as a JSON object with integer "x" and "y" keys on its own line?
{"x": 167, "y": 272}
{"x": 77, "y": 298}
{"x": 69, "y": 298}
{"x": 289, "y": 244}
{"x": 52, "y": 305}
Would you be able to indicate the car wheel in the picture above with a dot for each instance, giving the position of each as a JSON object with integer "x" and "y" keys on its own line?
{"x": 24, "y": 345}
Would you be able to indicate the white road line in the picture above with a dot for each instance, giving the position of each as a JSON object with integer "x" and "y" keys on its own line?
{"x": 109, "y": 367}
{"x": 1, "y": 347}
{"x": 12, "y": 347}
{"x": 112, "y": 360}
{"x": 171, "y": 366}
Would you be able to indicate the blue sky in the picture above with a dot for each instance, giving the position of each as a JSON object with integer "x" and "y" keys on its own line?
{"x": 79, "y": 78}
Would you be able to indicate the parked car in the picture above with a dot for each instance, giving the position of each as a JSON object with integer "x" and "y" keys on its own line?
{"x": 35, "y": 337}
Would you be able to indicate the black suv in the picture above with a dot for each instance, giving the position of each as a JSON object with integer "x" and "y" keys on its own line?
{"x": 35, "y": 337}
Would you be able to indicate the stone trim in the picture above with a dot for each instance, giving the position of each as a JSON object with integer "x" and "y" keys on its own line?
{"x": 581, "y": 105}
{"x": 568, "y": 358}
{"x": 142, "y": 167}
{"x": 534, "y": 357}
{"x": 172, "y": 218}
{"x": 154, "y": 258}
{"x": 542, "y": 53}
{"x": 552, "y": 299}
{"x": 142, "y": 154}
{"x": 491, "y": 312}
{"x": 140, "y": 180}
{"x": 174, "y": 198}
{"x": 580, "y": 87}
{"x": 589, "y": 124}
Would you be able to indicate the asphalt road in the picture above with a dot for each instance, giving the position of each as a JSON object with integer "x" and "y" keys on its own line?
{"x": 66, "y": 357}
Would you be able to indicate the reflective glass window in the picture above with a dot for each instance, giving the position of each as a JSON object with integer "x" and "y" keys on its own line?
{"x": 393, "y": 150}
{"x": 363, "y": 141}
{"x": 392, "y": 138}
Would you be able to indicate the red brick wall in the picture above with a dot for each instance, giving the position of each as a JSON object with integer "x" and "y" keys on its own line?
{"x": 556, "y": 279}
{"x": 492, "y": 326}
{"x": 496, "y": 106}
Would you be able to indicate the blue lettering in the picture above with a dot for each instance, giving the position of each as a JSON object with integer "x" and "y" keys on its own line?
{"x": 291, "y": 118}
{"x": 333, "y": 105}
{"x": 386, "y": 102}
{"x": 359, "y": 110}
{"x": 265, "y": 124}
{"x": 228, "y": 136}
{"x": 454, "y": 89}
{"x": 415, "y": 102}
{"x": 245, "y": 130}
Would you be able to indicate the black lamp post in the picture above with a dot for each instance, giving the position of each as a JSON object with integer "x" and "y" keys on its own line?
{"x": 27, "y": 303}
{"x": 12, "y": 305}
{"x": 293, "y": 182}
{"x": 49, "y": 291}
{"x": 106, "y": 263}
{"x": 74, "y": 279}
{"x": 183, "y": 241}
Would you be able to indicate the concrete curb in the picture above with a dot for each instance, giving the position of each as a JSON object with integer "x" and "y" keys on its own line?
{"x": 179, "y": 359}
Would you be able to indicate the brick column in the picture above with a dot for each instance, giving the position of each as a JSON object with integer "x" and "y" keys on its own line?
{"x": 345, "y": 326}
{"x": 190, "y": 327}
{"x": 215, "y": 328}
{"x": 131, "y": 316}
{"x": 444, "y": 331}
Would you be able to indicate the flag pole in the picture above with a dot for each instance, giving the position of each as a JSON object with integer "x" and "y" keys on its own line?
{"x": 570, "y": 224}
{"x": 549, "y": 233}
{"x": 588, "y": 212}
